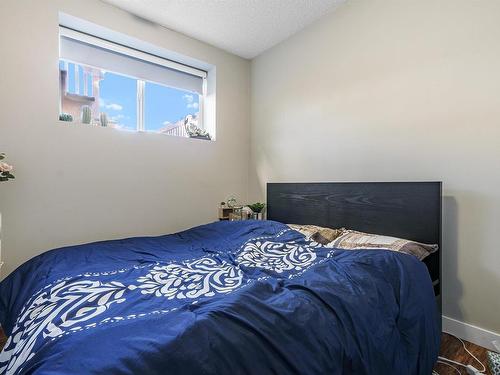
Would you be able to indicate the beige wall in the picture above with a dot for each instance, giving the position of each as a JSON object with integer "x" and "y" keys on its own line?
{"x": 76, "y": 184}
{"x": 396, "y": 90}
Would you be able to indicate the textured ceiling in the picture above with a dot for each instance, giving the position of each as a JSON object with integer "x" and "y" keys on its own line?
{"x": 243, "y": 27}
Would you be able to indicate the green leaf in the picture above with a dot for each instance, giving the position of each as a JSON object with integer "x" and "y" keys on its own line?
{"x": 256, "y": 207}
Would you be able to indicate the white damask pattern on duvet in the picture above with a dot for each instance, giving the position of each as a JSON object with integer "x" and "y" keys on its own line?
{"x": 277, "y": 256}
{"x": 201, "y": 278}
{"x": 63, "y": 306}
{"x": 62, "y": 309}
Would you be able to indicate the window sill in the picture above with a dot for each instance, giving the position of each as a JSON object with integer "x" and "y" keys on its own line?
{"x": 78, "y": 124}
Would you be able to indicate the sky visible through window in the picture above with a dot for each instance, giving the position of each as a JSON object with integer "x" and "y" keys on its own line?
{"x": 163, "y": 106}
{"x": 118, "y": 99}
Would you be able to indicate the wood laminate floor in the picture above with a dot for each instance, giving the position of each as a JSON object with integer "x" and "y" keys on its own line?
{"x": 450, "y": 348}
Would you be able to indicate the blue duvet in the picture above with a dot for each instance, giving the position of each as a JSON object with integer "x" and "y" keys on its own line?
{"x": 251, "y": 297}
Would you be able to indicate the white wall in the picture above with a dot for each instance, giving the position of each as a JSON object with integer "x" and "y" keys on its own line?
{"x": 391, "y": 90}
{"x": 76, "y": 184}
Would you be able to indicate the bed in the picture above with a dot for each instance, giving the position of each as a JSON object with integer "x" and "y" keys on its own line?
{"x": 248, "y": 297}
{"x": 402, "y": 209}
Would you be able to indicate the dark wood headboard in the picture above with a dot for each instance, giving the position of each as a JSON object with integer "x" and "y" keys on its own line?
{"x": 410, "y": 210}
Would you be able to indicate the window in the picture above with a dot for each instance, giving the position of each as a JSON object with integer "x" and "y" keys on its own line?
{"x": 107, "y": 84}
{"x": 165, "y": 107}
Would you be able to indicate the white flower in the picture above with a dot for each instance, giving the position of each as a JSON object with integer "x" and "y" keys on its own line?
{"x": 4, "y": 167}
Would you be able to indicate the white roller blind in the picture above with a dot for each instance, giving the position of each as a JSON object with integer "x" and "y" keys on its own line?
{"x": 87, "y": 50}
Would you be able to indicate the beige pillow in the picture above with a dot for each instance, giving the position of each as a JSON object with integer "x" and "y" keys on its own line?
{"x": 353, "y": 240}
{"x": 321, "y": 235}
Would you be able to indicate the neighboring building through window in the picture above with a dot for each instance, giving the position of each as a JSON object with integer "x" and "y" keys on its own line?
{"x": 107, "y": 84}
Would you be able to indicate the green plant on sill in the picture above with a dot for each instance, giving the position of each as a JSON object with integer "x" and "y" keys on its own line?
{"x": 86, "y": 114}
{"x": 103, "y": 117}
{"x": 256, "y": 207}
{"x": 65, "y": 117}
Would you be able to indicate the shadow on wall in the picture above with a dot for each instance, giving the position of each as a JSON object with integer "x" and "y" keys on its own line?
{"x": 452, "y": 288}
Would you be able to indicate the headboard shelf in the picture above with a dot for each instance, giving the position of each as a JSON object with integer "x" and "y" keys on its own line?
{"x": 410, "y": 210}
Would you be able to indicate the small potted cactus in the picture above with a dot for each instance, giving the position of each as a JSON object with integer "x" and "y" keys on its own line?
{"x": 103, "y": 119}
{"x": 65, "y": 117}
{"x": 86, "y": 114}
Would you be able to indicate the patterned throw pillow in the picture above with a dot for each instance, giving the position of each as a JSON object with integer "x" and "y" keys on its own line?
{"x": 321, "y": 235}
{"x": 353, "y": 240}
{"x": 494, "y": 363}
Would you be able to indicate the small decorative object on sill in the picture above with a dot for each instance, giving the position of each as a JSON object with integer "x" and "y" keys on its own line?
{"x": 206, "y": 137}
{"x": 65, "y": 117}
{"x": 5, "y": 170}
{"x": 256, "y": 210}
{"x": 193, "y": 130}
{"x": 103, "y": 117}
{"x": 86, "y": 114}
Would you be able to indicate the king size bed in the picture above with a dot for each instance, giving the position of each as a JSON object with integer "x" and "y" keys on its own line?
{"x": 247, "y": 297}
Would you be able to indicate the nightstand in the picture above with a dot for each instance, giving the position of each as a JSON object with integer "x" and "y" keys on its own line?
{"x": 224, "y": 212}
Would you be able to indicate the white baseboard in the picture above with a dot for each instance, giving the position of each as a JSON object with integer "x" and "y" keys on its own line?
{"x": 476, "y": 335}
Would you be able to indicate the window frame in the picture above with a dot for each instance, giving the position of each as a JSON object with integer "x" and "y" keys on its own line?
{"x": 141, "y": 83}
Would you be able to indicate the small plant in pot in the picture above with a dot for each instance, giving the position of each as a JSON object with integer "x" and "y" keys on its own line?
{"x": 256, "y": 210}
{"x": 86, "y": 114}
{"x": 103, "y": 119}
{"x": 65, "y": 117}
